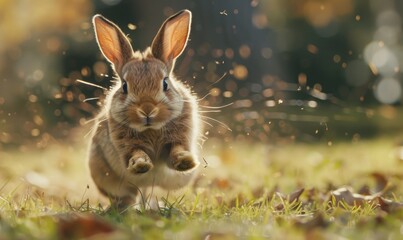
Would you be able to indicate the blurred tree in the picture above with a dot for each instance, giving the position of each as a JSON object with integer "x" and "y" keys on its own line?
{"x": 271, "y": 58}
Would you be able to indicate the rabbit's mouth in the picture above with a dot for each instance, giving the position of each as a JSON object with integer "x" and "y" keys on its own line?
{"x": 146, "y": 126}
{"x": 147, "y": 121}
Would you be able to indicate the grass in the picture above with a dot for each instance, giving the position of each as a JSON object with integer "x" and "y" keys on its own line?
{"x": 245, "y": 191}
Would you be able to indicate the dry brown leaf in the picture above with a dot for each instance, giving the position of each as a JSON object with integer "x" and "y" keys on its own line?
{"x": 311, "y": 194}
{"x": 258, "y": 192}
{"x": 75, "y": 226}
{"x": 260, "y": 195}
{"x": 219, "y": 236}
{"x": 221, "y": 183}
{"x": 364, "y": 190}
{"x": 347, "y": 196}
{"x": 295, "y": 195}
{"x": 238, "y": 201}
{"x": 291, "y": 198}
{"x": 381, "y": 182}
{"x": 389, "y": 206}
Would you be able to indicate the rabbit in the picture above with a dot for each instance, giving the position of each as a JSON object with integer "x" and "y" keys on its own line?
{"x": 148, "y": 131}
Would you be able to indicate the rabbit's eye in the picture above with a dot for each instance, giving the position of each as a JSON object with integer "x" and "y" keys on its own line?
{"x": 165, "y": 84}
{"x": 124, "y": 87}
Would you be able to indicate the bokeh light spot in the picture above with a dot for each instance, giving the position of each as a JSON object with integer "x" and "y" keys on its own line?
{"x": 240, "y": 72}
{"x": 244, "y": 51}
{"x": 35, "y": 132}
{"x": 312, "y": 104}
{"x": 312, "y": 49}
{"x": 227, "y": 94}
{"x": 229, "y": 53}
{"x": 388, "y": 90}
{"x": 215, "y": 92}
{"x": 302, "y": 79}
{"x": 38, "y": 75}
{"x": 53, "y": 44}
{"x": 267, "y": 53}
{"x": 259, "y": 20}
{"x": 131, "y": 26}
{"x": 100, "y": 68}
{"x": 336, "y": 58}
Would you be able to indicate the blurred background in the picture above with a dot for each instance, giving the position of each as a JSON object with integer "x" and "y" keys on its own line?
{"x": 283, "y": 70}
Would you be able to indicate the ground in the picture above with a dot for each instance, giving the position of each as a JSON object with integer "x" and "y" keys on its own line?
{"x": 343, "y": 190}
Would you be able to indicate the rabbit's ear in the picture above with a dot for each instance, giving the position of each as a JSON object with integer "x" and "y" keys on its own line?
{"x": 113, "y": 43}
{"x": 172, "y": 37}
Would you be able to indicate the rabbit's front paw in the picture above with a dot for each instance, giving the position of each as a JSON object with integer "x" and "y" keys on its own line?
{"x": 139, "y": 163}
{"x": 183, "y": 161}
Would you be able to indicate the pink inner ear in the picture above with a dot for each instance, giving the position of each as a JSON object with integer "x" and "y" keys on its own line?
{"x": 108, "y": 41}
{"x": 175, "y": 35}
{"x": 113, "y": 43}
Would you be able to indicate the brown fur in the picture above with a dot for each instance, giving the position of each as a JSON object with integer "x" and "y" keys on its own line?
{"x": 146, "y": 136}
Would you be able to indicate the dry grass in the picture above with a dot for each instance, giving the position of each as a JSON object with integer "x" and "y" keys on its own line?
{"x": 47, "y": 194}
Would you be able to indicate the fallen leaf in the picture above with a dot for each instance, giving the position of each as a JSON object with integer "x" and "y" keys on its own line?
{"x": 258, "y": 192}
{"x": 221, "y": 183}
{"x": 389, "y": 206}
{"x": 238, "y": 201}
{"x": 295, "y": 195}
{"x": 219, "y": 236}
{"x": 364, "y": 190}
{"x": 347, "y": 196}
{"x": 75, "y": 226}
{"x": 311, "y": 194}
{"x": 381, "y": 182}
{"x": 291, "y": 198}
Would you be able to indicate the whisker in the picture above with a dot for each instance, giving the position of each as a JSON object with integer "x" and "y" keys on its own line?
{"x": 209, "y": 111}
{"x": 90, "y": 99}
{"x": 90, "y": 131}
{"x": 197, "y": 100}
{"x": 209, "y": 124}
{"x": 208, "y": 94}
{"x": 200, "y": 145}
{"x": 216, "y": 107}
{"x": 91, "y": 120}
{"x": 90, "y": 84}
{"x": 218, "y": 80}
{"x": 215, "y": 120}
{"x": 203, "y": 137}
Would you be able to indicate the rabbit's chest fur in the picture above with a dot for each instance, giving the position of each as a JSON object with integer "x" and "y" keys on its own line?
{"x": 110, "y": 136}
{"x": 155, "y": 143}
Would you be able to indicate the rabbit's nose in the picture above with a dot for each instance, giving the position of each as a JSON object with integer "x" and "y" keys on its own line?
{"x": 147, "y": 111}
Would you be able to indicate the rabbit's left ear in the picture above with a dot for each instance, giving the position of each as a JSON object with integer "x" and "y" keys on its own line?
{"x": 172, "y": 37}
{"x": 113, "y": 43}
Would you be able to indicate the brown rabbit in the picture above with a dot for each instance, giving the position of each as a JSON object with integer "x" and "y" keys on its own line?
{"x": 147, "y": 133}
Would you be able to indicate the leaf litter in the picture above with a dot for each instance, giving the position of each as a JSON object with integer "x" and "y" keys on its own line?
{"x": 305, "y": 207}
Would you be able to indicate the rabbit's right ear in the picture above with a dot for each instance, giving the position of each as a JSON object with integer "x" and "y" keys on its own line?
{"x": 113, "y": 43}
{"x": 172, "y": 37}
